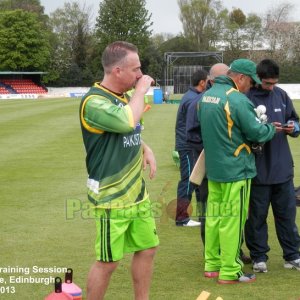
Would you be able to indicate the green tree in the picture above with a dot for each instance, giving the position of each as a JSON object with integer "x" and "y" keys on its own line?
{"x": 275, "y": 17}
{"x": 202, "y": 22}
{"x": 160, "y": 38}
{"x": 24, "y": 45}
{"x": 126, "y": 20}
{"x": 234, "y": 33}
{"x": 178, "y": 43}
{"x": 33, "y": 6}
{"x": 70, "y": 44}
{"x": 254, "y": 34}
{"x": 281, "y": 35}
{"x": 237, "y": 17}
{"x": 28, "y": 5}
{"x": 152, "y": 61}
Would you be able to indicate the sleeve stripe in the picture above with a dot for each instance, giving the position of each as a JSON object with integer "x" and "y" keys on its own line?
{"x": 130, "y": 116}
{"x": 84, "y": 123}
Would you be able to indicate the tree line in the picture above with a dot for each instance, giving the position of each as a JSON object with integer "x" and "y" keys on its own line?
{"x": 67, "y": 44}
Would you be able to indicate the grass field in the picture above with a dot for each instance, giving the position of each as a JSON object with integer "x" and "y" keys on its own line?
{"x": 45, "y": 221}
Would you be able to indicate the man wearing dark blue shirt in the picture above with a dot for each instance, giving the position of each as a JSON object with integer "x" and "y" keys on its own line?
{"x": 189, "y": 145}
{"x": 275, "y": 172}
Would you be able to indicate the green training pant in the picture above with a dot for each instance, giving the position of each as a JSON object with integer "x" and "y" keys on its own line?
{"x": 227, "y": 209}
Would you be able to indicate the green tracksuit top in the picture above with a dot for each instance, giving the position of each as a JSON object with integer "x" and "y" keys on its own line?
{"x": 228, "y": 126}
{"x": 113, "y": 150}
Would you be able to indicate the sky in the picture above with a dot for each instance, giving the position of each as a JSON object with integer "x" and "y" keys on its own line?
{"x": 165, "y": 13}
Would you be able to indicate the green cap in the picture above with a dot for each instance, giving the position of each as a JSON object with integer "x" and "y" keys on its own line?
{"x": 246, "y": 67}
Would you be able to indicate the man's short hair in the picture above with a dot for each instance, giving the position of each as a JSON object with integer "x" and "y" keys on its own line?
{"x": 198, "y": 76}
{"x": 267, "y": 68}
{"x": 116, "y": 52}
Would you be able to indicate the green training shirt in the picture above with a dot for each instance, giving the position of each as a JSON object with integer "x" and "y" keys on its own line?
{"x": 113, "y": 150}
{"x": 228, "y": 126}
